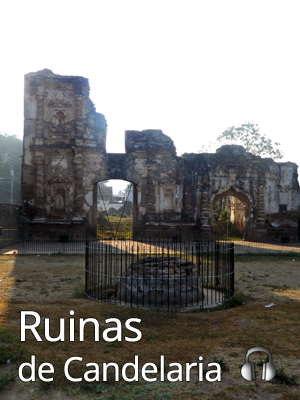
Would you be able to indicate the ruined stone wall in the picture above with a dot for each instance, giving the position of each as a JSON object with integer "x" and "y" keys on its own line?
{"x": 65, "y": 157}
{"x": 257, "y": 182}
{"x": 64, "y": 140}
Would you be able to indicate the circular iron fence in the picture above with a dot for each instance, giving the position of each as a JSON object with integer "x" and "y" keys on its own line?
{"x": 159, "y": 273}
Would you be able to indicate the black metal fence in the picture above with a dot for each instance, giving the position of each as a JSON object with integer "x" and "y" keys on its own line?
{"x": 159, "y": 274}
{"x": 56, "y": 239}
{"x": 35, "y": 240}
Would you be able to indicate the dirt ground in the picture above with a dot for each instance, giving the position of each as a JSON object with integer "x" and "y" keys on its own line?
{"x": 54, "y": 284}
{"x": 43, "y": 279}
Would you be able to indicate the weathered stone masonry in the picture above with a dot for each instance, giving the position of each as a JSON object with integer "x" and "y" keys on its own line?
{"x": 65, "y": 156}
{"x": 64, "y": 143}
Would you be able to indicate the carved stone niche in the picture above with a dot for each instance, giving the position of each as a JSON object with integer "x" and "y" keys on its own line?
{"x": 60, "y": 115}
{"x": 168, "y": 188}
{"x": 61, "y": 195}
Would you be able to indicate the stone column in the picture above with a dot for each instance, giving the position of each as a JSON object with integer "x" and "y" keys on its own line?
{"x": 261, "y": 231}
{"x": 261, "y": 202}
{"x": 204, "y": 213}
{"x": 205, "y": 227}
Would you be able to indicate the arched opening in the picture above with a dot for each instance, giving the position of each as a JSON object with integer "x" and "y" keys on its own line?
{"x": 230, "y": 213}
{"x": 115, "y": 209}
{"x": 60, "y": 116}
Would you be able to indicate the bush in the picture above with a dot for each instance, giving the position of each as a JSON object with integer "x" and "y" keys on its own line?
{"x": 224, "y": 215}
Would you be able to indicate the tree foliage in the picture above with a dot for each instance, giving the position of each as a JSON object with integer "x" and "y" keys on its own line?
{"x": 252, "y": 140}
{"x": 11, "y": 148}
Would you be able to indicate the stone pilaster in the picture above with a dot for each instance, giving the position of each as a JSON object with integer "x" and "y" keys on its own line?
{"x": 151, "y": 196}
{"x": 79, "y": 185}
{"x": 261, "y": 202}
{"x": 40, "y": 113}
{"x": 79, "y": 121}
{"x": 39, "y": 184}
{"x": 79, "y": 109}
{"x": 204, "y": 207}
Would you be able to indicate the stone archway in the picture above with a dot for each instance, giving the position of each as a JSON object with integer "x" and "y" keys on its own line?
{"x": 241, "y": 214}
{"x": 134, "y": 210}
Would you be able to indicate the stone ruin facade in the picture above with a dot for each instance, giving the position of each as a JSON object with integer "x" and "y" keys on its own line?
{"x": 65, "y": 157}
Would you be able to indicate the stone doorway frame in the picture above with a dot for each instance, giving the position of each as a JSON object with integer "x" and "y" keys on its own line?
{"x": 134, "y": 206}
{"x": 244, "y": 200}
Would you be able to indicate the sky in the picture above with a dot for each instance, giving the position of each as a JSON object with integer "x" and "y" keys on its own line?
{"x": 190, "y": 68}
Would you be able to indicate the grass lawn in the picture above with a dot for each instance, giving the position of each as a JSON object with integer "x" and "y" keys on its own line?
{"x": 53, "y": 285}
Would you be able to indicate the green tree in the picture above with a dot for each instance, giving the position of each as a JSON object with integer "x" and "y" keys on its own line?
{"x": 11, "y": 148}
{"x": 252, "y": 140}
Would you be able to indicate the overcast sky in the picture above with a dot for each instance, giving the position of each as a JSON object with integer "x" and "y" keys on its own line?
{"x": 190, "y": 68}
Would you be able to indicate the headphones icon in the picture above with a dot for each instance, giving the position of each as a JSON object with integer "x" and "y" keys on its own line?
{"x": 248, "y": 369}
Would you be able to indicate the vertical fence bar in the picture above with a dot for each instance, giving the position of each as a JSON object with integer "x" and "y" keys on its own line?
{"x": 149, "y": 275}
{"x": 192, "y": 276}
{"x": 86, "y": 267}
{"x": 110, "y": 268}
{"x": 131, "y": 284}
{"x": 162, "y": 281}
{"x": 232, "y": 269}
{"x": 137, "y": 276}
{"x": 104, "y": 286}
{"x": 156, "y": 261}
{"x": 168, "y": 272}
{"x": 120, "y": 273}
{"x": 174, "y": 277}
{"x": 91, "y": 263}
{"x": 126, "y": 273}
{"x": 207, "y": 270}
{"x": 143, "y": 266}
{"x": 98, "y": 268}
{"x": 186, "y": 276}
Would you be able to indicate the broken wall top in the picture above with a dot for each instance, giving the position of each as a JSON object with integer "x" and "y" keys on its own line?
{"x": 150, "y": 141}
{"x": 57, "y": 109}
{"x": 231, "y": 156}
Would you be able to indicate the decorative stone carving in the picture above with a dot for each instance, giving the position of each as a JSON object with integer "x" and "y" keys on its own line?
{"x": 168, "y": 180}
{"x": 61, "y": 195}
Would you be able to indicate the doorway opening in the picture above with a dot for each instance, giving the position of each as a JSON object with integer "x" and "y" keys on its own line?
{"x": 116, "y": 208}
{"x": 230, "y": 215}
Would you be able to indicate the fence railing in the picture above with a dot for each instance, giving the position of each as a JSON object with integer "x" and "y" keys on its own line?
{"x": 159, "y": 274}
{"x": 38, "y": 240}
